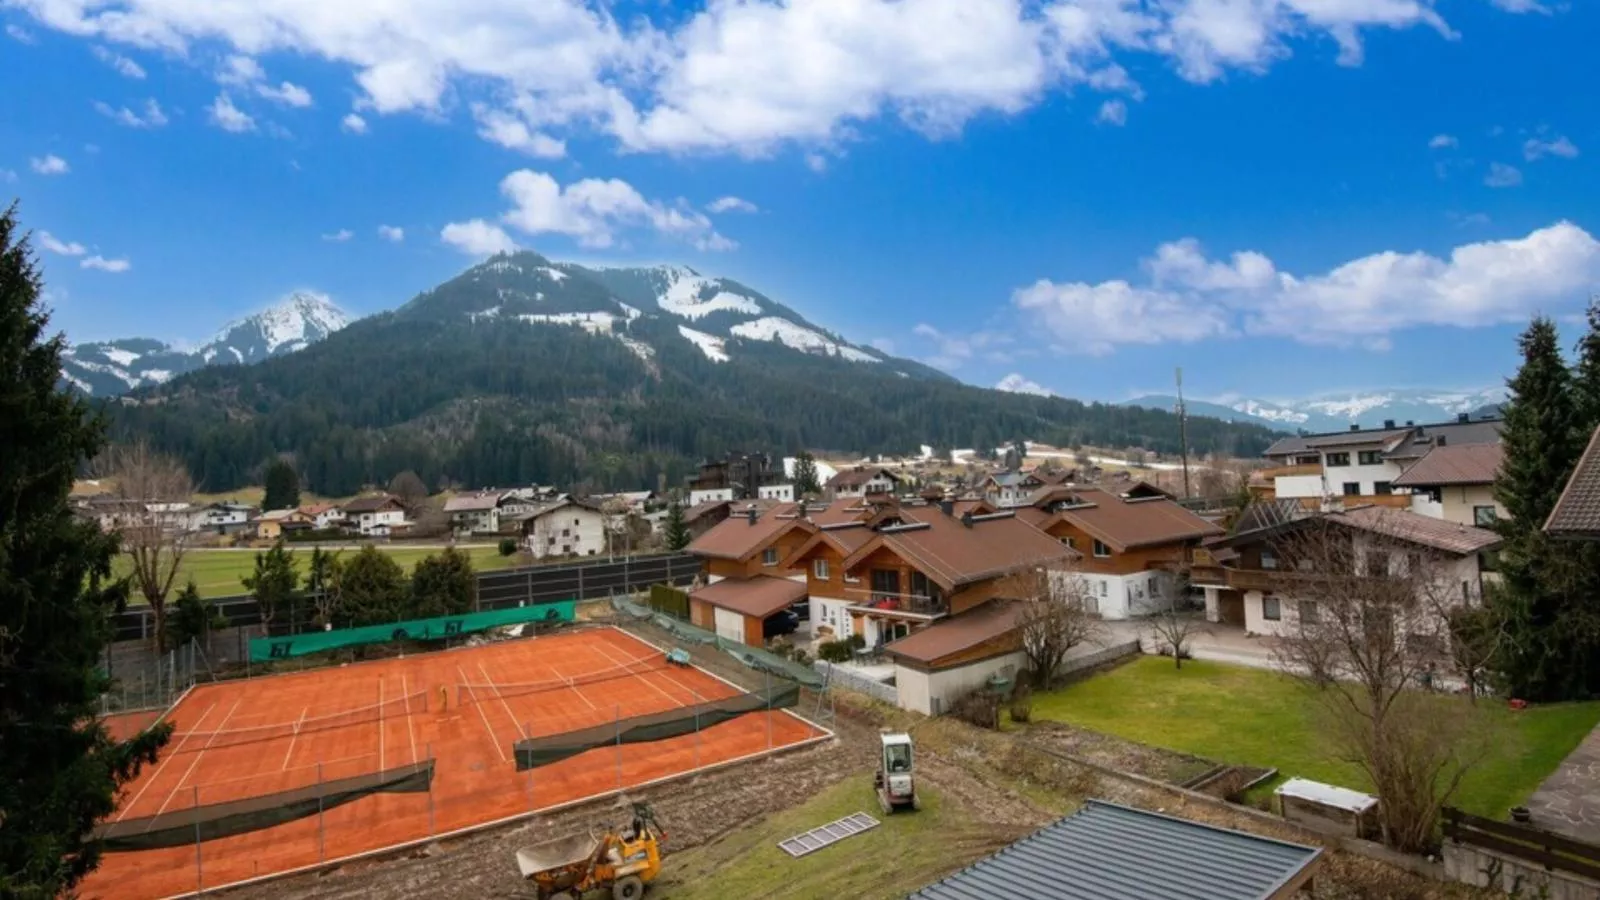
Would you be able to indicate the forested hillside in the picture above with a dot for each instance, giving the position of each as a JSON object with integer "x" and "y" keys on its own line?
{"x": 517, "y": 372}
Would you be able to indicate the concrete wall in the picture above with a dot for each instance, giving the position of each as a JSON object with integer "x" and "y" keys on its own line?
{"x": 1129, "y": 596}
{"x": 931, "y": 693}
{"x": 832, "y": 612}
{"x": 845, "y": 677}
{"x": 1475, "y": 866}
{"x": 780, "y": 492}
{"x": 698, "y": 497}
{"x": 1334, "y": 477}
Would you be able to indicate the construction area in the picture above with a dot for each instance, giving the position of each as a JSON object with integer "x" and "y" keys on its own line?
{"x": 303, "y": 771}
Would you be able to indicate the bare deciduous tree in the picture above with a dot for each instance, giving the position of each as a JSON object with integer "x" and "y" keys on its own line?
{"x": 153, "y": 491}
{"x": 1173, "y": 627}
{"x": 1371, "y": 629}
{"x": 1054, "y": 617}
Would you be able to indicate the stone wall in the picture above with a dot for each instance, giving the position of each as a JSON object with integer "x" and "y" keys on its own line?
{"x": 1486, "y": 868}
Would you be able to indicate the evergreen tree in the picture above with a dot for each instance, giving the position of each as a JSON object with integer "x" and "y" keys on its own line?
{"x": 1586, "y": 376}
{"x": 273, "y": 583}
{"x": 442, "y": 584}
{"x": 320, "y": 575}
{"x": 1540, "y": 447}
{"x": 805, "y": 475}
{"x": 60, "y": 770}
{"x": 676, "y": 532}
{"x": 193, "y": 618}
{"x": 283, "y": 486}
{"x": 369, "y": 589}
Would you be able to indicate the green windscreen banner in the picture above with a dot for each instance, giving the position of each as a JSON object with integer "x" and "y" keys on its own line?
{"x": 435, "y": 629}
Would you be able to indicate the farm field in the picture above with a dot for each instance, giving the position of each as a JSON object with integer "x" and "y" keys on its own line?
{"x": 217, "y": 573}
{"x": 1240, "y": 715}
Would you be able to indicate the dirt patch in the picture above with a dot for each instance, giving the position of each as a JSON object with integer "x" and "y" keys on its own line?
{"x": 1117, "y": 753}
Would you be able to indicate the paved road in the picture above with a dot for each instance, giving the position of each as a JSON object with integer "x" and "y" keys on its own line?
{"x": 1569, "y": 800}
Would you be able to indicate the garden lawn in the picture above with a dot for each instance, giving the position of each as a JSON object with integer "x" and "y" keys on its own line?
{"x": 1246, "y": 716}
{"x": 218, "y": 573}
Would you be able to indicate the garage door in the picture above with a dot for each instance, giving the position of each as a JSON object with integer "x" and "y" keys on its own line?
{"x": 730, "y": 625}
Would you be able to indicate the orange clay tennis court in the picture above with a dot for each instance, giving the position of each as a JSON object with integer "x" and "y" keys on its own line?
{"x": 462, "y": 708}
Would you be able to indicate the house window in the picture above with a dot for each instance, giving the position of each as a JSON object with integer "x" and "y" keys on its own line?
{"x": 1352, "y": 488}
{"x": 1102, "y": 588}
{"x": 1338, "y": 459}
{"x": 1101, "y": 550}
{"x": 769, "y": 556}
{"x": 819, "y": 569}
{"x": 1071, "y": 542}
{"x": 1308, "y": 611}
{"x": 1269, "y": 558}
{"x": 924, "y": 591}
{"x": 1154, "y": 591}
{"x": 1307, "y": 460}
{"x": 885, "y": 583}
{"x": 1271, "y": 608}
{"x": 1489, "y": 561}
{"x": 851, "y": 579}
{"x": 1484, "y": 516}
{"x": 1377, "y": 563}
{"x": 574, "y": 521}
{"x": 1369, "y": 458}
{"x": 1382, "y": 488}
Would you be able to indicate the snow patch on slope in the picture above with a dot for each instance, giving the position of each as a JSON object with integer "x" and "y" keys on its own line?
{"x": 1016, "y": 383}
{"x": 682, "y": 296}
{"x": 713, "y": 347}
{"x": 121, "y": 357}
{"x": 783, "y": 331}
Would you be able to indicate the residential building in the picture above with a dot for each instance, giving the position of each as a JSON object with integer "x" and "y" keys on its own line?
{"x": 937, "y": 665}
{"x": 475, "y": 512}
{"x": 1456, "y": 483}
{"x": 564, "y": 527}
{"x": 226, "y": 517}
{"x": 1248, "y": 583}
{"x": 323, "y": 516}
{"x": 783, "y": 493}
{"x": 750, "y": 591}
{"x": 1577, "y": 513}
{"x": 698, "y": 496}
{"x": 862, "y": 481}
{"x": 1133, "y": 544}
{"x": 278, "y": 523}
{"x": 740, "y": 474}
{"x": 1360, "y": 466}
{"x": 1008, "y": 490}
{"x": 375, "y": 515}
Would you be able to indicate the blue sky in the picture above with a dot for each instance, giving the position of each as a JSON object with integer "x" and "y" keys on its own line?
{"x": 1284, "y": 197}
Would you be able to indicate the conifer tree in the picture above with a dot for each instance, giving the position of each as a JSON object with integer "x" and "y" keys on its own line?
{"x": 675, "y": 530}
{"x": 283, "y": 486}
{"x": 60, "y": 770}
{"x": 805, "y": 475}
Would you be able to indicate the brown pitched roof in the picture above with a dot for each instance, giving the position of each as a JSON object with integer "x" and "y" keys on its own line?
{"x": 1454, "y": 464}
{"x": 1404, "y": 525}
{"x": 371, "y": 503}
{"x": 1346, "y": 438}
{"x": 473, "y": 501}
{"x": 317, "y": 509}
{"x": 1577, "y": 513}
{"x": 759, "y": 597}
{"x": 992, "y": 620}
{"x": 859, "y": 476}
{"x": 1124, "y": 524}
{"x": 736, "y": 538}
{"x": 953, "y": 553}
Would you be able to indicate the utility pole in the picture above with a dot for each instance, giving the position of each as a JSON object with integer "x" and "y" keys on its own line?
{"x": 1183, "y": 434}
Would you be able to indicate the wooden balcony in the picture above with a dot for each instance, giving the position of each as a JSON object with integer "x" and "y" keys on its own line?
{"x": 1287, "y": 471}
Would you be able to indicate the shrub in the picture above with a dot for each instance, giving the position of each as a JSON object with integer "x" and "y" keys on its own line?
{"x": 857, "y": 641}
{"x": 1022, "y": 704}
{"x": 508, "y": 546}
{"x": 980, "y": 708}
{"x": 835, "y": 651}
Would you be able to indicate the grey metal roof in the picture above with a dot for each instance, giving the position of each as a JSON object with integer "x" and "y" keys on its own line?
{"x": 1109, "y": 852}
{"x": 1477, "y": 431}
{"x": 1287, "y": 446}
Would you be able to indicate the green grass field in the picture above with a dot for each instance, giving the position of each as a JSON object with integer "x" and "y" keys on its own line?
{"x": 1246, "y": 716}
{"x": 218, "y": 572}
{"x": 902, "y": 854}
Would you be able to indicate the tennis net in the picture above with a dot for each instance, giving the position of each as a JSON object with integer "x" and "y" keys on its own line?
{"x": 231, "y": 737}
{"x": 468, "y": 692}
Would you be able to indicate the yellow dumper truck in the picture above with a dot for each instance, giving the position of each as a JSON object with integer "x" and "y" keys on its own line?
{"x": 622, "y": 859}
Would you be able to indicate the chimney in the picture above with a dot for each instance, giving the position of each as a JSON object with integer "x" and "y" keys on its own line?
{"x": 1410, "y": 423}
{"x": 966, "y": 519}
{"x": 752, "y": 515}
{"x": 1354, "y": 427}
{"x": 947, "y": 506}
{"x": 1440, "y": 441}
{"x": 1388, "y": 423}
{"x": 1464, "y": 417}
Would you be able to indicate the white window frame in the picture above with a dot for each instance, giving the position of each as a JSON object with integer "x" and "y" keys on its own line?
{"x": 769, "y": 556}
{"x": 1101, "y": 551}
{"x": 1277, "y": 608}
{"x": 819, "y": 569}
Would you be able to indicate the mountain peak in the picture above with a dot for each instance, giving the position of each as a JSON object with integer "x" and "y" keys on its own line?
{"x": 298, "y": 320}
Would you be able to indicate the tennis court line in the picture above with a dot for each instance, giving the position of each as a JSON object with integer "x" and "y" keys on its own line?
{"x": 197, "y": 757}
{"x": 503, "y": 704}
{"x": 410, "y": 730}
{"x": 175, "y": 751}
{"x": 294, "y": 736}
{"x": 485, "y": 719}
{"x": 380, "y": 723}
{"x": 641, "y": 676}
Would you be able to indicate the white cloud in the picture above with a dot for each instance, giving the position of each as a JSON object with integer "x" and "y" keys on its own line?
{"x": 114, "y": 266}
{"x": 745, "y": 77}
{"x": 1443, "y": 142}
{"x": 816, "y": 162}
{"x": 392, "y": 233}
{"x": 731, "y": 204}
{"x": 124, "y": 66}
{"x": 353, "y": 124}
{"x": 286, "y": 93}
{"x": 1188, "y": 297}
{"x": 1522, "y": 6}
{"x": 8, "y": 176}
{"x": 1502, "y": 176}
{"x": 19, "y": 34}
{"x": 1017, "y": 383}
{"x": 594, "y": 210}
{"x": 340, "y": 236}
{"x": 477, "y": 238}
{"x": 949, "y": 351}
{"x": 509, "y": 131}
{"x": 1537, "y": 148}
{"x": 229, "y": 117}
{"x": 152, "y": 117}
{"x": 62, "y": 248}
{"x": 1113, "y": 112}
{"x": 49, "y": 164}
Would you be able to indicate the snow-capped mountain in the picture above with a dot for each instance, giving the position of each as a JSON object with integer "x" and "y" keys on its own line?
{"x": 1017, "y": 383}
{"x": 104, "y": 368}
{"x": 1335, "y": 412}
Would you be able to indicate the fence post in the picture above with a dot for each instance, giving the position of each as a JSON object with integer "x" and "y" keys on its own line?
{"x": 322, "y": 829}
{"x": 697, "y": 702}
{"x": 430, "y": 790}
{"x": 769, "y": 709}
{"x": 199, "y": 867}
{"x": 581, "y": 594}
{"x": 618, "y": 716}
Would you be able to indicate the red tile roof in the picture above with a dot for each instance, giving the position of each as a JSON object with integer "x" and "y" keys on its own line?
{"x": 736, "y": 538}
{"x": 954, "y": 553}
{"x": 757, "y": 597}
{"x": 1121, "y": 523}
{"x": 1577, "y": 513}
{"x": 1454, "y": 464}
{"x": 992, "y": 620}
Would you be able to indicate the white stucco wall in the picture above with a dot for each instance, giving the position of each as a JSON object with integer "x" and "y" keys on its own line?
{"x": 1298, "y": 485}
{"x": 833, "y": 612}
{"x": 698, "y": 497}
{"x": 1366, "y": 476}
{"x": 577, "y": 531}
{"x": 781, "y": 492}
{"x": 932, "y": 692}
{"x": 1129, "y": 596}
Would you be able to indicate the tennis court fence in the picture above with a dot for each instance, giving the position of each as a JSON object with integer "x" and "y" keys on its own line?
{"x": 752, "y": 657}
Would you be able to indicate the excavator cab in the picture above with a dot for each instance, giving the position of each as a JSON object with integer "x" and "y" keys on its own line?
{"x": 894, "y": 781}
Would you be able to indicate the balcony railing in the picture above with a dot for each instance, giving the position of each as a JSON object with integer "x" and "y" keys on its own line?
{"x": 905, "y": 603}
{"x": 1288, "y": 471}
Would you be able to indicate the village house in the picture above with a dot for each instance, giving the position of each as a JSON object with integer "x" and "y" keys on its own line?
{"x": 1248, "y": 582}
{"x": 322, "y": 516}
{"x": 750, "y": 591}
{"x": 475, "y": 512}
{"x": 226, "y": 517}
{"x": 1362, "y": 465}
{"x": 1456, "y": 483}
{"x": 1577, "y": 513}
{"x": 567, "y": 526}
{"x": 375, "y": 515}
{"x": 1134, "y": 544}
{"x": 862, "y": 481}
{"x": 1008, "y": 490}
{"x": 278, "y": 523}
